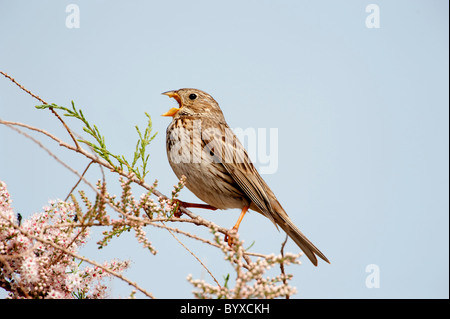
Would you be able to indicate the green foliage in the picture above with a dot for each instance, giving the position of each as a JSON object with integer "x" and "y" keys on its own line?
{"x": 99, "y": 146}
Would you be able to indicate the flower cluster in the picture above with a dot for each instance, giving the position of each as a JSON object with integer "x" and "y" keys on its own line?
{"x": 167, "y": 207}
{"x": 37, "y": 256}
{"x": 130, "y": 212}
{"x": 250, "y": 281}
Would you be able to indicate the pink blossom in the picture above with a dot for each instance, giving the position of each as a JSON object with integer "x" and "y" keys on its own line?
{"x": 35, "y": 269}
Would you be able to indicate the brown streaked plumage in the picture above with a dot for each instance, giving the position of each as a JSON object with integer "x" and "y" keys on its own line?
{"x": 201, "y": 146}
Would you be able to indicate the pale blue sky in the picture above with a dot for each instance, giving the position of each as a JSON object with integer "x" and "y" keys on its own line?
{"x": 362, "y": 118}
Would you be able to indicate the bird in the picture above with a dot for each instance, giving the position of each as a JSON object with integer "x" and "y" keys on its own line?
{"x": 201, "y": 146}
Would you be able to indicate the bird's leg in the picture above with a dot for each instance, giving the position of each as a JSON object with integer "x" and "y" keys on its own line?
{"x": 189, "y": 205}
{"x": 235, "y": 228}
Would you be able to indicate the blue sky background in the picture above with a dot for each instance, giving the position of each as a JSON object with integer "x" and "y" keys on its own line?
{"x": 362, "y": 118}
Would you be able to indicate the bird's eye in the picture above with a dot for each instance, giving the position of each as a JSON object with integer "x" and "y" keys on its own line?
{"x": 192, "y": 96}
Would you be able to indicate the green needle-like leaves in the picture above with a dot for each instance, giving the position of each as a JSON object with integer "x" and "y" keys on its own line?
{"x": 99, "y": 145}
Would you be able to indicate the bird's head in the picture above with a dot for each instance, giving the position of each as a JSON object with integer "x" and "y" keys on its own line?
{"x": 193, "y": 102}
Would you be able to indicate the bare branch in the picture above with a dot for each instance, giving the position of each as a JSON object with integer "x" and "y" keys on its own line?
{"x": 42, "y": 101}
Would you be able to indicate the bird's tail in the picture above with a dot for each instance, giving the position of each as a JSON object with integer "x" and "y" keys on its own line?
{"x": 283, "y": 220}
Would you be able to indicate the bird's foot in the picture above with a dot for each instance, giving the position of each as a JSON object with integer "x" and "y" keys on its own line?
{"x": 229, "y": 238}
{"x": 180, "y": 203}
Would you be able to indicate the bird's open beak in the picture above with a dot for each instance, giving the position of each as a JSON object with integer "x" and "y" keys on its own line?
{"x": 173, "y": 110}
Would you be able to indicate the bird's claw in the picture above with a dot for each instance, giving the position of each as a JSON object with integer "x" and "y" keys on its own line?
{"x": 177, "y": 203}
{"x": 229, "y": 238}
{"x": 180, "y": 203}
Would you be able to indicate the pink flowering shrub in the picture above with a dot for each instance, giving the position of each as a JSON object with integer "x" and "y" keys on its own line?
{"x": 251, "y": 280}
{"x": 37, "y": 256}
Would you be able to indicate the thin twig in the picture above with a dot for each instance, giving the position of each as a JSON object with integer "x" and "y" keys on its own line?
{"x": 43, "y": 102}
{"x": 11, "y": 126}
{"x": 198, "y": 259}
{"x": 22, "y": 87}
{"x": 157, "y": 222}
{"x": 79, "y": 180}
{"x": 282, "y": 263}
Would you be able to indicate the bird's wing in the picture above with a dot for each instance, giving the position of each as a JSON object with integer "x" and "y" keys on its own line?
{"x": 225, "y": 148}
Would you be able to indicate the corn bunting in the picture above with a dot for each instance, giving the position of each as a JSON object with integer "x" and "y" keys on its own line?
{"x": 201, "y": 146}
